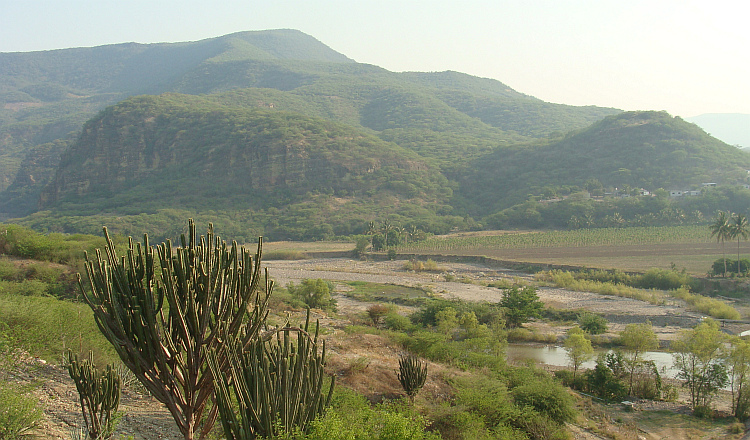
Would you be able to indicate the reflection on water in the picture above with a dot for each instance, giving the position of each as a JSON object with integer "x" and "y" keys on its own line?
{"x": 556, "y": 356}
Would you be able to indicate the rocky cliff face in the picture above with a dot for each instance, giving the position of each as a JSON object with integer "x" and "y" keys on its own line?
{"x": 154, "y": 147}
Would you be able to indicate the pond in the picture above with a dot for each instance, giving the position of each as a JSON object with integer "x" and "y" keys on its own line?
{"x": 558, "y": 357}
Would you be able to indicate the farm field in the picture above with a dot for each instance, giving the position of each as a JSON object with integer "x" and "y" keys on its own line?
{"x": 627, "y": 249}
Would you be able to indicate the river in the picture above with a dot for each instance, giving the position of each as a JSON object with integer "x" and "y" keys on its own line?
{"x": 558, "y": 357}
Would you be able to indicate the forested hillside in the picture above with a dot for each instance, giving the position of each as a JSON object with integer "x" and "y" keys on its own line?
{"x": 631, "y": 150}
{"x": 272, "y": 132}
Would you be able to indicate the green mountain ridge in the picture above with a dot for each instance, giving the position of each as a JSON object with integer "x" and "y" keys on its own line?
{"x": 276, "y": 133}
{"x": 645, "y": 149}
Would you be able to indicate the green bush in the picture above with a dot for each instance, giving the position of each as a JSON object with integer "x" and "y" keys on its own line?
{"x": 592, "y": 323}
{"x": 396, "y": 321}
{"x": 8, "y": 270}
{"x": 487, "y": 397}
{"x": 664, "y": 279}
{"x": 710, "y": 306}
{"x": 350, "y": 417}
{"x": 718, "y": 267}
{"x": 546, "y": 397}
{"x": 314, "y": 293}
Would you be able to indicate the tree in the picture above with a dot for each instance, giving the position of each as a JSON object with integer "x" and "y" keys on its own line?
{"x": 637, "y": 339}
{"x": 738, "y": 229}
{"x": 698, "y": 358}
{"x": 721, "y": 229}
{"x": 521, "y": 305}
{"x": 738, "y": 361}
{"x": 578, "y": 347}
{"x": 314, "y": 293}
{"x": 376, "y": 312}
{"x": 163, "y": 323}
{"x": 592, "y": 324}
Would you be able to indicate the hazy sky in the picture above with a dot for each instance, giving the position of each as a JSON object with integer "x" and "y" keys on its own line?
{"x": 686, "y": 57}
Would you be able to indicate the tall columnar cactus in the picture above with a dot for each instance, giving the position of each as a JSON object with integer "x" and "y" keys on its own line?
{"x": 99, "y": 393}
{"x": 275, "y": 387}
{"x": 163, "y": 323}
{"x": 412, "y": 374}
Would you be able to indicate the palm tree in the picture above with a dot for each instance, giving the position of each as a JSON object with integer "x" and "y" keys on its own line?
{"x": 738, "y": 229}
{"x": 721, "y": 229}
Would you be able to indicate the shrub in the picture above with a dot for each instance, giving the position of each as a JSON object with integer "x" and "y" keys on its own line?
{"x": 717, "y": 268}
{"x": 8, "y": 270}
{"x": 350, "y": 417}
{"x": 546, "y": 397}
{"x": 520, "y": 334}
{"x": 486, "y": 396}
{"x": 314, "y": 293}
{"x": 360, "y": 246}
{"x": 592, "y": 324}
{"x": 664, "y": 279}
{"x": 376, "y": 312}
{"x": 396, "y": 321}
{"x": 423, "y": 266}
{"x": 710, "y": 306}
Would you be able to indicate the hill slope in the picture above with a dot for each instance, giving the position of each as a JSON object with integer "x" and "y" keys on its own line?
{"x": 178, "y": 149}
{"x": 639, "y": 149}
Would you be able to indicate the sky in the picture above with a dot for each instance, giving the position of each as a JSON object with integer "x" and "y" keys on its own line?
{"x": 686, "y": 57}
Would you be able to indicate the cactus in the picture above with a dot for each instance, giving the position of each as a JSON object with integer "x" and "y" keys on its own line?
{"x": 99, "y": 393}
{"x": 278, "y": 386}
{"x": 162, "y": 323}
{"x": 412, "y": 374}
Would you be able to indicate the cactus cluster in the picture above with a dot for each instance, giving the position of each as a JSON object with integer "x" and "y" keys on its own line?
{"x": 412, "y": 374}
{"x": 164, "y": 321}
{"x": 278, "y": 385}
{"x": 99, "y": 393}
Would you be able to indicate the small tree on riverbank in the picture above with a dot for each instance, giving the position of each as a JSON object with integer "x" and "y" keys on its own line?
{"x": 698, "y": 357}
{"x": 578, "y": 347}
{"x": 637, "y": 339}
{"x": 521, "y": 305}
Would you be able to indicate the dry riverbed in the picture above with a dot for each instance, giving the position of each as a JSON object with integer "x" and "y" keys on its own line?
{"x": 668, "y": 318}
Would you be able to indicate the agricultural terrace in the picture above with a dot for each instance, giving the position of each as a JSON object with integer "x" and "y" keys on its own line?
{"x": 629, "y": 249}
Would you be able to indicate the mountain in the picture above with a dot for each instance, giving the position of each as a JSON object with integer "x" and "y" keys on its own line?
{"x": 273, "y": 133}
{"x": 447, "y": 118}
{"x": 732, "y": 128}
{"x": 645, "y": 149}
{"x": 46, "y": 95}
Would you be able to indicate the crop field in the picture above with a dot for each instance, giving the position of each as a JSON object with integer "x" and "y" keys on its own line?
{"x": 630, "y": 249}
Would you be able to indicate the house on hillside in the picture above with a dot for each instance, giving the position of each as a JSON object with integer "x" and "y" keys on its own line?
{"x": 684, "y": 193}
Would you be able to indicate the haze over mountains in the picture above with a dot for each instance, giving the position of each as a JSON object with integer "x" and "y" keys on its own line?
{"x": 274, "y": 133}
{"x": 732, "y": 128}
